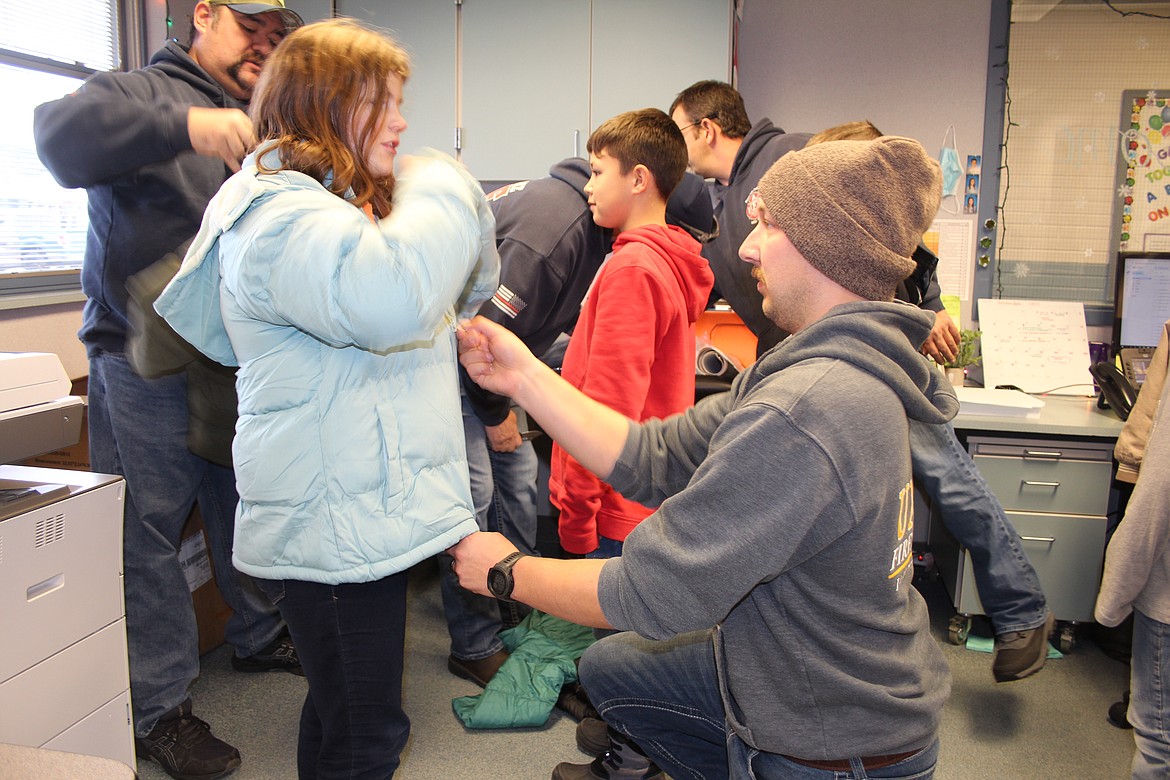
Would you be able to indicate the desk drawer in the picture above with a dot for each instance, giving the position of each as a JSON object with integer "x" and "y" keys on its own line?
{"x": 1065, "y": 550}
{"x": 1045, "y": 476}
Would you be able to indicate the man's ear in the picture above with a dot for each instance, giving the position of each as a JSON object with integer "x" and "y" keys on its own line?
{"x": 709, "y": 131}
{"x": 202, "y": 16}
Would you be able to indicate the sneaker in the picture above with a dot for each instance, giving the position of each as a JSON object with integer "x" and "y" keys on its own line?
{"x": 1118, "y": 713}
{"x": 575, "y": 701}
{"x": 479, "y": 672}
{"x": 593, "y": 736}
{"x": 279, "y": 656}
{"x": 1019, "y": 654}
{"x": 186, "y": 748}
{"x": 622, "y": 761}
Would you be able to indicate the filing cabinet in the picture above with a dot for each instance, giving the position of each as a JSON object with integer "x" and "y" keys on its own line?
{"x": 1056, "y": 494}
{"x": 64, "y": 676}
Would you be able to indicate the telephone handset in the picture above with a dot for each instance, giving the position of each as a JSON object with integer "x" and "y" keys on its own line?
{"x": 1116, "y": 390}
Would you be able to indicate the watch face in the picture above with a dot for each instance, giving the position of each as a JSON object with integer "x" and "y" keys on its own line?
{"x": 497, "y": 582}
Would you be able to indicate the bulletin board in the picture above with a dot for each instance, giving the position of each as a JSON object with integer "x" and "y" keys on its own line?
{"x": 1142, "y": 210}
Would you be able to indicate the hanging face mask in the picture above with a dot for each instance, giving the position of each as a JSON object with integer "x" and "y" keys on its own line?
{"x": 952, "y": 171}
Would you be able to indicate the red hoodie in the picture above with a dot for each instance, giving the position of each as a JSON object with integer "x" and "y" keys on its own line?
{"x": 633, "y": 350}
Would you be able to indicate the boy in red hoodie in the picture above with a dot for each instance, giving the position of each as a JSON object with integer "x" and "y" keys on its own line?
{"x": 633, "y": 348}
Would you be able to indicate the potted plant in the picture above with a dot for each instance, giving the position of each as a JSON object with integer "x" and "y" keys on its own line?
{"x": 966, "y": 355}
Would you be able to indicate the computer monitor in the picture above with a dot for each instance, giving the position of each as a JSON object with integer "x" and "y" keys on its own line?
{"x": 1141, "y": 306}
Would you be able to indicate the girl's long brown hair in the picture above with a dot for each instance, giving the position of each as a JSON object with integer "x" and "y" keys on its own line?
{"x": 308, "y": 95}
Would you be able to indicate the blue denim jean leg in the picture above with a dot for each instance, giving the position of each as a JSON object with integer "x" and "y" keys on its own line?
{"x": 1007, "y": 583}
{"x": 138, "y": 429}
{"x": 1149, "y": 708}
{"x": 350, "y": 640}
{"x": 503, "y": 490}
{"x": 664, "y": 695}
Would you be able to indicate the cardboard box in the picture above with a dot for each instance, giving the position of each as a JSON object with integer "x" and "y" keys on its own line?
{"x": 211, "y": 611}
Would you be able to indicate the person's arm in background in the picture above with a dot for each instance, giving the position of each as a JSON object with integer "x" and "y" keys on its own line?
{"x": 116, "y": 123}
{"x": 1137, "y": 550}
{"x": 943, "y": 342}
{"x": 627, "y": 302}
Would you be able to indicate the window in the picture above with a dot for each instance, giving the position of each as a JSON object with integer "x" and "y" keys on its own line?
{"x": 43, "y": 226}
{"x": 1069, "y": 64}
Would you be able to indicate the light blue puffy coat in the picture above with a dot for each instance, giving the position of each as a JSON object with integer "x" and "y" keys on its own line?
{"x": 349, "y": 449}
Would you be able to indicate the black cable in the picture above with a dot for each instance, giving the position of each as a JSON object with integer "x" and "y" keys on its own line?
{"x": 1005, "y": 173}
{"x": 1109, "y": 5}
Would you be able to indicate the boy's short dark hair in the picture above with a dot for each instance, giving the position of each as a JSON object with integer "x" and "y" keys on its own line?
{"x": 644, "y": 137}
{"x": 717, "y": 101}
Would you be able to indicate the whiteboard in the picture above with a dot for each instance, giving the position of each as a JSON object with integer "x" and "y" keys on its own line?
{"x": 1038, "y": 346}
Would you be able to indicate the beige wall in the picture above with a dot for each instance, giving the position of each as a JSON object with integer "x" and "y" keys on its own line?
{"x": 46, "y": 329}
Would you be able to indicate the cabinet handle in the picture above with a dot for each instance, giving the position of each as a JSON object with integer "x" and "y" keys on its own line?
{"x": 1042, "y": 454}
{"x": 1045, "y": 539}
{"x": 576, "y": 143}
{"x": 46, "y": 587}
{"x": 1052, "y": 485}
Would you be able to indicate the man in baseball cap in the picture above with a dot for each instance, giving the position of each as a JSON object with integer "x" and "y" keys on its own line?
{"x": 151, "y": 147}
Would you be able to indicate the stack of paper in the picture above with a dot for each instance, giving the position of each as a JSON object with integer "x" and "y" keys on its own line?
{"x": 1002, "y": 403}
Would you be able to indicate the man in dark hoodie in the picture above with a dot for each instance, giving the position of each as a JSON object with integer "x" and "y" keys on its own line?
{"x": 792, "y": 640}
{"x": 550, "y": 250}
{"x": 151, "y": 147}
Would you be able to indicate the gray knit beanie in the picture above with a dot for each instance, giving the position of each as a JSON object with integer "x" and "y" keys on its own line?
{"x": 856, "y": 209}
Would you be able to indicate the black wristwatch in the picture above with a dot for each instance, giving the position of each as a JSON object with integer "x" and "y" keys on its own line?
{"x": 499, "y": 578}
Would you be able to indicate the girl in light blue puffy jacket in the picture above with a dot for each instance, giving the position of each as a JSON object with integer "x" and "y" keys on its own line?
{"x": 336, "y": 287}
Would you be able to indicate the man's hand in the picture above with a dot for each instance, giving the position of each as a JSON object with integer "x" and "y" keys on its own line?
{"x": 943, "y": 342}
{"x": 225, "y": 133}
{"x": 493, "y": 356}
{"x": 504, "y": 437}
{"x": 475, "y": 555}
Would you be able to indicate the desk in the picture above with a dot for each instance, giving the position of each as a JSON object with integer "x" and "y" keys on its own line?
{"x": 1052, "y": 473}
{"x": 1060, "y": 416}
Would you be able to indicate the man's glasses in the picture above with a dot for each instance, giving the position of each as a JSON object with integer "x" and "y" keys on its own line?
{"x": 753, "y": 203}
{"x": 693, "y": 124}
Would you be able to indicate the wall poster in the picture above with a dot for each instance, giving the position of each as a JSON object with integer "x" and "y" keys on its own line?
{"x": 1142, "y": 210}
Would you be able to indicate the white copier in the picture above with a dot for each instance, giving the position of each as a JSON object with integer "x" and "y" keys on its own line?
{"x": 64, "y": 677}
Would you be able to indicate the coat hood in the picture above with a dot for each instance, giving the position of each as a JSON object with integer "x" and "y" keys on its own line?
{"x": 881, "y": 339}
{"x": 681, "y": 253}
{"x": 575, "y": 172}
{"x": 755, "y": 142}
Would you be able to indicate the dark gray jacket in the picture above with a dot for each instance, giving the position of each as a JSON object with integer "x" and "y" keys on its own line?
{"x": 785, "y": 521}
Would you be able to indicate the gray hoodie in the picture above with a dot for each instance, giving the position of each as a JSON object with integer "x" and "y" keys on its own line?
{"x": 785, "y": 521}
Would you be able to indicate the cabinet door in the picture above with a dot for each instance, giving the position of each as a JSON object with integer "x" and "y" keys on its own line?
{"x": 426, "y": 29}
{"x": 525, "y": 88}
{"x": 647, "y": 52}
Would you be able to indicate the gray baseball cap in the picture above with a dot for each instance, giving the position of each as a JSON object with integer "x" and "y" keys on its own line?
{"x": 291, "y": 19}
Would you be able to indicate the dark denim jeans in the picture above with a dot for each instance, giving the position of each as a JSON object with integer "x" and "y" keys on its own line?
{"x": 138, "y": 429}
{"x": 665, "y": 697}
{"x": 350, "y": 640}
{"x": 503, "y": 490}
{"x": 1007, "y": 583}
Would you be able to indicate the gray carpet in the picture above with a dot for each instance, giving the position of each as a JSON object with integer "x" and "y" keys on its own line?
{"x": 1051, "y": 725}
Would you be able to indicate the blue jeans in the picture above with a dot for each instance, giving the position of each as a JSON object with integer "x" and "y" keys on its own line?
{"x": 350, "y": 641}
{"x": 503, "y": 489}
{"x": 665, "y": 697}
{"x": 1149, "y": 710}
{"x": 138, "y": 429}
{"x": 1007, "y": 583}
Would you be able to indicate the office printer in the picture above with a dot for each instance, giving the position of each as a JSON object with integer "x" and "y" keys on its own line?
{"x": 37, "y": 413}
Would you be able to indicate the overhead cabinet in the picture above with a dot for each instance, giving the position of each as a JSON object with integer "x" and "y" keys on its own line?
{"x": 513, "y": 86}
